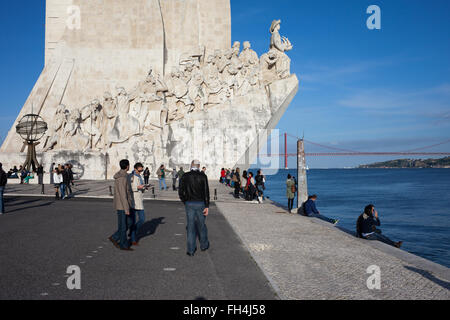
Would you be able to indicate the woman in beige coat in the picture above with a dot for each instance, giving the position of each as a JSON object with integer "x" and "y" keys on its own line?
{"x": 138, "y": 188}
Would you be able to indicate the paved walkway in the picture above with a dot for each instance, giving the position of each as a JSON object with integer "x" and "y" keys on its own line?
{"x": 40, "y": 238}
{"x": 306, "y": 258}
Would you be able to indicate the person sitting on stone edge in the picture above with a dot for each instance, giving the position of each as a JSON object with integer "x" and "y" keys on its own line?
{"x": 366, "y": 227}
{"x": 311, "y": 210}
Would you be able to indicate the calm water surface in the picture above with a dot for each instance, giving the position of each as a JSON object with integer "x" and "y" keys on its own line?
{"x": 413, "y": 204}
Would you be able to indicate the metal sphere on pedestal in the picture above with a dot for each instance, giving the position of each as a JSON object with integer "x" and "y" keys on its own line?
{"x": 31, "y": 127}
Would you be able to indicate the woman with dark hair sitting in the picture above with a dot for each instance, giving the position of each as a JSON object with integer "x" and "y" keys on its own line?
{"x": 366, "y": 227}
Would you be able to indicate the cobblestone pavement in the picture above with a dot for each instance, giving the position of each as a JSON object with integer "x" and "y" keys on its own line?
{"x": 307, "y": 259}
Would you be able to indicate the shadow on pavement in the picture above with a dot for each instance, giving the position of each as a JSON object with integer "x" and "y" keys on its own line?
{"x": 45, "y": 204}
{"x": 149, "y": 227}
{"x": 429, "y": 276}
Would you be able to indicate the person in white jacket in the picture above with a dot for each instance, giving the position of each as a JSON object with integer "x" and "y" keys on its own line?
{"x": 57, "y": 180}
{"x": 138, "y": 188}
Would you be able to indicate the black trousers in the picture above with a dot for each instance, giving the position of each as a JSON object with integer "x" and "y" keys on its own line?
{"x": 237, "y": 188}
{"x": 290, "y": 203}
{"x": 146, "y": 180}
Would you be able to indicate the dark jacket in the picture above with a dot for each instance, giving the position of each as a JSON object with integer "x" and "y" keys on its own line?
{"x": 40, "y": 170}
{"x": 259, "y": 180}
{"x": 194, "y": 187}
{"x": 366, "y": 224}
{"x": 66, "y": 177}
{"x": 310, "y": 207}
{"x": 3, "y": 178}
{"x": 70, "y": 175}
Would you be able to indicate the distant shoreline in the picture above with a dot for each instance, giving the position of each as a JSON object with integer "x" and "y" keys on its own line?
{"x": 442, "y": 163}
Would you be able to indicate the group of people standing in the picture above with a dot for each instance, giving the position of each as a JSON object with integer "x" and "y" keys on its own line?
{"x": 251, "y": 187}
{"x": 62, "y": 179}
{"x": 161, "y": 173}
{"x": 129, "y": 191}
{"x": 128, "y": 202}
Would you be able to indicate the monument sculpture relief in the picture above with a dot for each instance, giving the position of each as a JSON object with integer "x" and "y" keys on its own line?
{"x": 210, "y": 103}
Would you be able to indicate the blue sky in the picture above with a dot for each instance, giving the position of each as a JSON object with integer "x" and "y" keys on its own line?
{"x": 360, "y": 89}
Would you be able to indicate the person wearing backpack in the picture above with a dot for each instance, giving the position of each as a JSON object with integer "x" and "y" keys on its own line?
{"x": 290, "y": 192}
{"x": 162, "y": 178}
{"x": 3, "y": 182}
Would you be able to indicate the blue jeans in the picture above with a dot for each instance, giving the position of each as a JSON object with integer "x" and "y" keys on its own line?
{"x": 135, "y": 226}
{"x": 124, "y": 222}
{"x": 380, "y": 237}
{"x": 162, "y": 181}
{"x": 2, "y": 202}
{"x": 321, "y": 217}
{"x": 259, "y": 187}
{"x": 62, "y": 189}
{"x": 196, "y": 226}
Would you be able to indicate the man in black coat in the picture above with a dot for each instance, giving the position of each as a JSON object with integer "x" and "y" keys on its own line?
{"x": 194, "y": 193}
{"x": 3, "y": 182}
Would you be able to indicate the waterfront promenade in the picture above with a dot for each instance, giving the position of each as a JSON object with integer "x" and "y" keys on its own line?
{"x": 252, "y": 245}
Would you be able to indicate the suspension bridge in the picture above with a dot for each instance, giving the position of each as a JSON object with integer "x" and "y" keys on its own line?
{"x": 338, "y": 152}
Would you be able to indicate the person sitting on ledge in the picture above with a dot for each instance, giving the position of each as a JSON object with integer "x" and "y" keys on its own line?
{"x": 366, "y": 227}
{"x": 311, "y": 210}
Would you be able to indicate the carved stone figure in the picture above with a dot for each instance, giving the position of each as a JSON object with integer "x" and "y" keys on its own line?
{"x": 248, "y": 56}
{"x": 92, "y": 123}
{"x": 279, "y": 45}
{"x": 125, "y": 125}
{"x": 196, "y": 92}
{"x": 73, "y": 130}
{"x": 56, "y": 127}
{"x": 109, "y": 110}
{"x": 176, "y": 95}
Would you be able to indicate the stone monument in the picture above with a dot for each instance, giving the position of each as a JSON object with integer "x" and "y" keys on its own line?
{"x": 154, "y": 81}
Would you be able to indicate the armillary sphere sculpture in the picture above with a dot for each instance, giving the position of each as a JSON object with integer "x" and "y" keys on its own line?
{"x": 31, "y": 128}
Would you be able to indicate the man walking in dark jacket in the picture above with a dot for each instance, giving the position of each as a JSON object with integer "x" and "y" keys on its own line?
{"x": 194, "y": 193}
{"x": 3, "y": 181}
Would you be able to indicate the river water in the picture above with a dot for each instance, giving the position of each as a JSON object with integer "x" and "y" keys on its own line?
{"x": 413, "y": 204}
